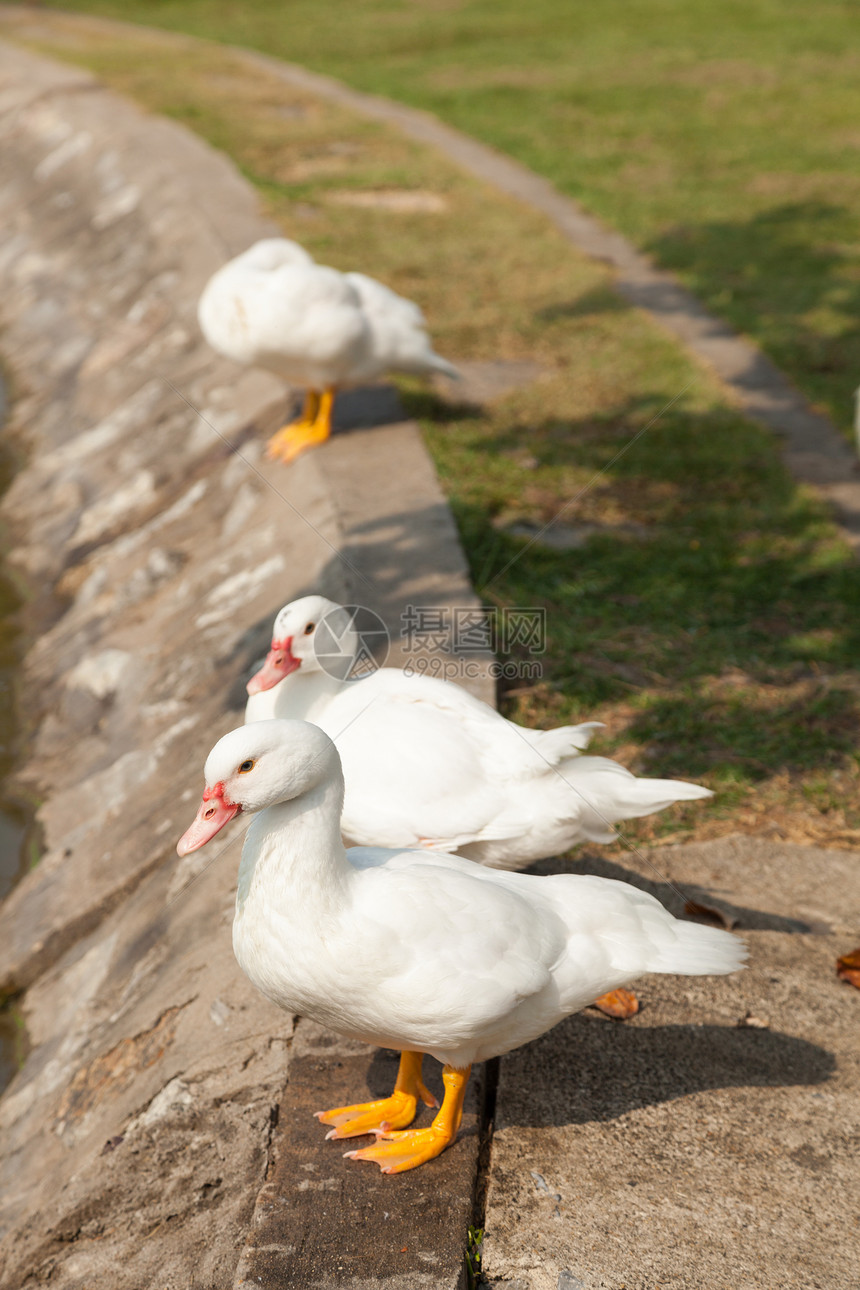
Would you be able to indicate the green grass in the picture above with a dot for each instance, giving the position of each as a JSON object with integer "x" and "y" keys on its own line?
{"x": 13, "y": 1040}
{"x": 723, "y": 138}
{"x": 712, "y": 625}
{"x": 721, "y": 644}
{"x": 475, "y": 1241}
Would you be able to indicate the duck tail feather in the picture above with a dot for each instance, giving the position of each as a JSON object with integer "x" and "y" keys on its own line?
{"x": 695, "y": 950}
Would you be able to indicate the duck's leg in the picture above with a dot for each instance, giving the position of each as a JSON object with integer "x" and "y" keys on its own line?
{"x": 280, "y": 442}
{"x": 396, "y": 1152}
{"x": 312, "y": 428}
{"x": 393, "y": 1112}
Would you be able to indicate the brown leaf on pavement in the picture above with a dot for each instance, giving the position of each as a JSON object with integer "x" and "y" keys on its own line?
{"x": 848, "y": 968}
{"x": 752, "y": 1022}
{"x": 619, "y": 1004}
{"x": 711, "y": 913}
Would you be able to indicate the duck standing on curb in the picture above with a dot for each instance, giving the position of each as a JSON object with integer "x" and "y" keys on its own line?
{"x": 428, "y": 765}
{"x": 421, "y": 952}
{"x": 316, "y": 328}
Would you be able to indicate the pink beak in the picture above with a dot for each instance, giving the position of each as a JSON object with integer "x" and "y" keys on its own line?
{"x": 211, "y": 817}
{"x": 280, "y": 661}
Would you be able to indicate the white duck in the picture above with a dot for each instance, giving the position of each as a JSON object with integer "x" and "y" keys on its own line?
{"x": 273, "y": 307}
{"x": 428, "y": 765}
{"x": 409, "y": 950}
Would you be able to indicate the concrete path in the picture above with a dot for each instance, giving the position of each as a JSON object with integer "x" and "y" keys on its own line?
{"x": 710, "y": 1142}
{"x": 152, "y": 1138}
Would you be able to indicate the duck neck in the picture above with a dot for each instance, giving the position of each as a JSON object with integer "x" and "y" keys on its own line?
{"x": 293, "y": 851}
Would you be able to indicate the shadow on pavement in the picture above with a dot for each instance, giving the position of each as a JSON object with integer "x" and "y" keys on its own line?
{"x": 587, "y": 1069}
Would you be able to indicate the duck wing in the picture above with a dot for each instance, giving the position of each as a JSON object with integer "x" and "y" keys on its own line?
{"x": 415, "y": 774}
{"x": 515, "y": 750}
{"x": 494, "y": 959}
{"x": 427, "y": 764}
{"x": 459, "y": 952}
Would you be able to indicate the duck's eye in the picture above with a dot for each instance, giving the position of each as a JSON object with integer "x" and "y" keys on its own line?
{"x": 309, "y": 628}
{"x": 246, "y": 766}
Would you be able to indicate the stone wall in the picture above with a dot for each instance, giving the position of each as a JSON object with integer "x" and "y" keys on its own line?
{"x": 155, "y": 545}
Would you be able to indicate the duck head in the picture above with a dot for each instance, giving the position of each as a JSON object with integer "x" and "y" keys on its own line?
{"x": 258, "y": 766}
{"x": 273, "y": 253}
{"x": 313, "y": 634}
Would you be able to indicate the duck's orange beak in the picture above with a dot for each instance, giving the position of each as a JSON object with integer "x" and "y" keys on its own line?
{"x": 210, "y": 819}
{"x": 280, "y": 661}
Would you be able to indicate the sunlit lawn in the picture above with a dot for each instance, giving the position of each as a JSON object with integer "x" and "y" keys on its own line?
{"x": 724, "y": 138}
{"x": 712, "y": 623}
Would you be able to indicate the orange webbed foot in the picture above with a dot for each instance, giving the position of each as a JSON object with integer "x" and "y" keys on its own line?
{"x": 293, "y": 440}
{"x": 312, "y": 428}
{"x": 397, "y": 1152}
{"x": 393, "y": 1112}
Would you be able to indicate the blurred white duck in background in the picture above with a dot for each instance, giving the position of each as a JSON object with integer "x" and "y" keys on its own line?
{"x": 421, "y": 952}
{"x": 314, "y": 327}
{"x": 427, "y": 765}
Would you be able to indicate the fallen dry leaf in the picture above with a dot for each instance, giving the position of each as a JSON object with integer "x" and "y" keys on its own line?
{"x": 754, "y": 1022}
{"x": 848, "y": 968}
{"x": 711, "y": 913}
{"x": 619, "y": 1004}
